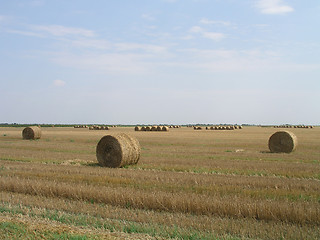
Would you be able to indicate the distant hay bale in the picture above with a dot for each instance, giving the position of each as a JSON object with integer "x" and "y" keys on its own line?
{"x": 143, "y": 128}
{"x": 283, "y": 141}
{"x": 148, "y": 128}
{"x": 137, "y": 128}
{"x": 154, "y": 128}
{"x": 165, "y": 129}
{"x": 159, "y": 128}
{"x": 32, "y": 132}
{"x": 118, "y": 150}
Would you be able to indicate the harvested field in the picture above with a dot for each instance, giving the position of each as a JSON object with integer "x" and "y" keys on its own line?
{"x": 187, "y": 185}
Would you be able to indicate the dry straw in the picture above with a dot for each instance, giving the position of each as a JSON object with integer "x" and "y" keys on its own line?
{"x": 118, "y": 150}
{"x": 283, "y": 142}
{"x": 33, "y": 132}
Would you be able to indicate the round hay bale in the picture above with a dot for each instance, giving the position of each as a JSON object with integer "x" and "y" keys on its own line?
{"x": 159, "y": 128}
{"x": 137, "y": 128}
{"x": 283, "y": 141}
{"x": 118, "y": 150}
{"x": 165, "y": 129}
{"x": 148, "y": 128}
{"x": 154, "y": 128}
{"x": 143, "y": 128}
{"x": 33, "y": 132}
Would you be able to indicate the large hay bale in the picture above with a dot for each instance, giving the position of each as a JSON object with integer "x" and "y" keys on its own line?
{"x": 118, "y": 150}
{"x": 283, "y": 141}
{"x": 137, "y": 128}
{"x": 32, "y": 132}
{"x": 165, "y": 129}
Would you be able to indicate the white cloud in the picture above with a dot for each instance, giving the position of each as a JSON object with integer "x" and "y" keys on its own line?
{"x": 213, "y": 36}
{"x": 196, "y": 29}
{"x": 59, "y": 83}
{"x": 273, "y": 7}
{"x": 148, "y": 17}
{"x": 58, "y": 30}
{"x": 216, "y": 36}
{"x": 136, "y": 46}
{"x": 91, "y": 43}
{"x": 26, "y": 33}
{"x": 211, "y": 22}
{"x": 231, "y": 61}
{"x": 110, "y": 63}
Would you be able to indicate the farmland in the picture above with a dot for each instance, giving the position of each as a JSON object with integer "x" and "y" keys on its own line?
{"x": 187, "y": 185}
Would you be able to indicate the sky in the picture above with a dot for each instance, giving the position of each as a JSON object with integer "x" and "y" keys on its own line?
{"x": 160, "y": 61}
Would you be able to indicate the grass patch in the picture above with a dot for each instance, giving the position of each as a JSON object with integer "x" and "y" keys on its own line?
{"x": 96, "y": 222}
{"x": 13, "y": 230}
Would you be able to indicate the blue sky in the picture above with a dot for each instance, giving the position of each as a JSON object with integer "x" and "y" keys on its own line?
{"x": 160, "y": 61}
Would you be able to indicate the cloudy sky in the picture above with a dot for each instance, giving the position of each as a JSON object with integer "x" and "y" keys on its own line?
{"x": 160, "y": 61}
